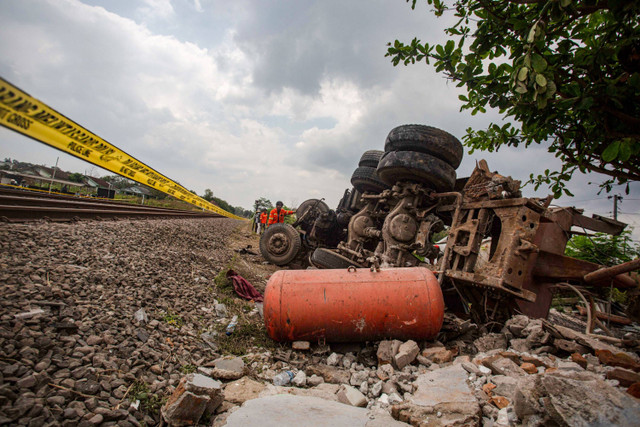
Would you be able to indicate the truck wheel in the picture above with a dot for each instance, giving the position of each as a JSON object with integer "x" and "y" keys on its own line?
{"x": 365, "y": 179}
{"x": 280, "y": 244}
{"x": 324, "y": 258}
{"x": 371, "y": 158}
{"x": 417, "y": 167}
{"x": 428, "y": 140}
{"x": 318, "y": 205}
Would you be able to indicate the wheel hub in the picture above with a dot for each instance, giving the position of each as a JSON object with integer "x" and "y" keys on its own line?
{"x": 278, "y": 244}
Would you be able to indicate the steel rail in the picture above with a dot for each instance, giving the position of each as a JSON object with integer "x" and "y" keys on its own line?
{"x": 25, "y": 207}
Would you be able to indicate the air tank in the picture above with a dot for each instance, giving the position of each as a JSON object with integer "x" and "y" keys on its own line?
{"x": 351, "y": 305}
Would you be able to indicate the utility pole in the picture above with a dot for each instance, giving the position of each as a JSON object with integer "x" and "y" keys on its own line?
{"x": 53, "y": 175}
{"x": 615, "y": 198}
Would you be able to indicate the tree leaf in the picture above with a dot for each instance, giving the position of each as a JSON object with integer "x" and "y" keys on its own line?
{"x": 522, "y": 74}
{"x": 542, "y": 102}
{"x": 538, "y": 63}
{"x": 541, "y": 80}
{"x": 551, "y": 88}
{"x": 521, "y": 88}
{"x": 611, "y": 152}
{"x": 532, "y": 33}
{"x": 624, "y": 152}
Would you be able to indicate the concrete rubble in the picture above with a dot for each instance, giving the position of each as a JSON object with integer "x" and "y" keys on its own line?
{"x": 433, "y": 384}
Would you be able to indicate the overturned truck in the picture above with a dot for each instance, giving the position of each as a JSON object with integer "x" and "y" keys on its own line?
{"x": 504, "y": 253}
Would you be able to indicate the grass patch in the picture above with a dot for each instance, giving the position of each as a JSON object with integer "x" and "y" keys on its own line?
{"x": 249, "y": 332}
{"x": 149, "y": 403}
{"x": 224, "y": 287}
{"x": 187, "y": 369}
{"x": 173, "y": 319}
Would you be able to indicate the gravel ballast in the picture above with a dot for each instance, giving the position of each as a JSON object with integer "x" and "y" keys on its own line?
{"x": 97, "y": 316}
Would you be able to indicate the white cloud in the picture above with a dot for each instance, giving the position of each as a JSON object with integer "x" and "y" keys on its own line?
{"x": 249, "y": 98}
{"x": 157, "y": 9}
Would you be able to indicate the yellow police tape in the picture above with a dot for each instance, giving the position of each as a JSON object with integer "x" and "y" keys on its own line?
{"x": 28, "y": 116}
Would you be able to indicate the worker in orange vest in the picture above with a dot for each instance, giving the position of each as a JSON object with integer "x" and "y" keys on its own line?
{"x": 277, "y": 214}
{"x": 263, "y": 221}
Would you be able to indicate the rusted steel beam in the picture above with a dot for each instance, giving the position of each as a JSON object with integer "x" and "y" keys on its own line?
{"x": 599, "y": 224}
{"x": 605, "y": 273}
{"x": 560, "y": 268}
{"x": 604, "y": 316}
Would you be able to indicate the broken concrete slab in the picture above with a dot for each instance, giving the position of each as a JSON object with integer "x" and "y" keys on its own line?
{"x": 301, "y": 345}
{"x": 438, "y": 354}
{"x": 241, "y": 390}
{"x": 442, "y": 392}
{"x": 505, "y": 386}
{"x": 300, "y": 380}
{"x": 303, "y": 411}
{"x": 406, "y": 354}
{"x": 351, "y": 396}
{"x": 195, "y": 395}
{"x": 491, "y": 341}
{"x": 592, "y": 402}
{"x": 225, "y": 368}
{"x": 323, "y": 391}
{"x": 503, "y": 366}
{"x": 517, "y": 324}
{"x": 330, "y": 374}
{"x": 573, "y": 398}
{"x": 385, "y": 352}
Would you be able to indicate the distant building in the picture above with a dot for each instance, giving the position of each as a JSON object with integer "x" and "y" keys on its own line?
{"x": 137, "y": 190}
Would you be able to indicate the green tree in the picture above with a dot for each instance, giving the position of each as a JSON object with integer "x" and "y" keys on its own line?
{"x": 76, "y": 177}
{"x": 566, "y": 71}
{"x": 208, "y": 195}
{"x": 604, "y": 249}
{"x": 262, "y": 203}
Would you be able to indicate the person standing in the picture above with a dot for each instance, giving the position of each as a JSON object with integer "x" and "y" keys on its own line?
{"x": 263, "y": 221}
{"x": 277, "y": 214}
{"x": 255, "y": 227}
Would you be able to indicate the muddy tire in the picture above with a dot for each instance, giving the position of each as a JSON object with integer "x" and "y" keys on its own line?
{"x": 317, "y": 205}
{"x": 417, "y": 167}
{"x": 324, "y": 258}
{"x": 371, "y": 158}
{"x": 427, "y": 140}
{"x": 365, "y": 179}
{"x": 280, "y": 244}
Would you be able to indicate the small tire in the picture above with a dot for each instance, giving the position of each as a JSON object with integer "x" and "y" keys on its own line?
{"x": 428, "y": 140}
{"x": 324, "y": 258}
{"x": 280, "y": 244}
{"x": 365, "y": 179}
{"x": 371, "y": 158}
{"x": 417, "y": 167}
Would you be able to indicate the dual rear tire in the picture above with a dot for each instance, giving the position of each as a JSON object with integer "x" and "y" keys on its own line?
{"x": 422, "y": 154}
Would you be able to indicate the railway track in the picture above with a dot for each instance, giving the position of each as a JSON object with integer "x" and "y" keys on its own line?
{"x": 24, "y": 205}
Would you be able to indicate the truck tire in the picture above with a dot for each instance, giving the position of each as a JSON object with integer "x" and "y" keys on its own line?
{"x": 417, "y": 167}
{"x": 324, "y": 258}
{"x": 280, "y": 244}
{"x": 365, "y": 179}
{"x": 428, "y": 140}
{"x": 318, "y": 205}
{"x": 371, "y": 158}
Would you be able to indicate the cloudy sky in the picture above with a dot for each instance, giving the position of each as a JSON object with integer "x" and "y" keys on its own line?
{"x": 250, "y": 98}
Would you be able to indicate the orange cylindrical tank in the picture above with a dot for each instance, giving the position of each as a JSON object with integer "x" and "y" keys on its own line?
{"x": 353, "y": 305}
